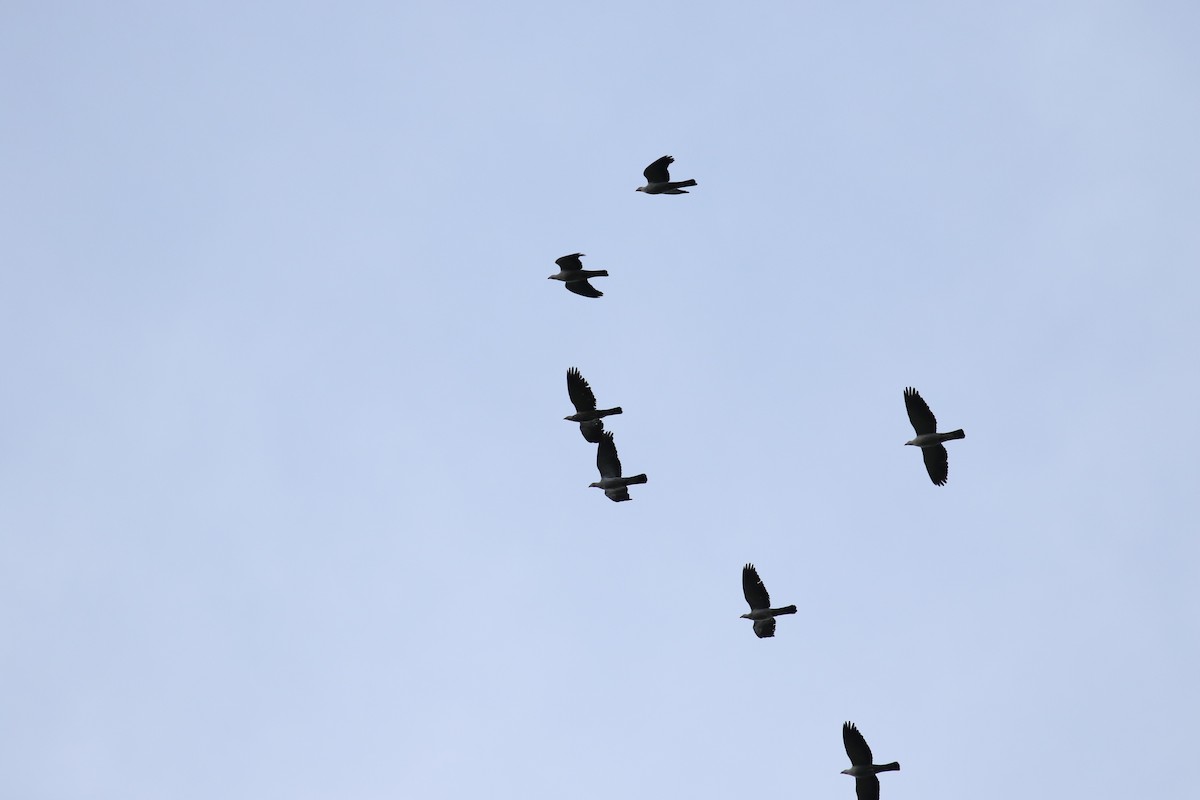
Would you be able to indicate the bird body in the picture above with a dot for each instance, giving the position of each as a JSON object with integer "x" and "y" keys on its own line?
{"x": 587, "y": 416}
{"x": 616, "y": 487}
{"x": 937, "y": 460}
{"x": 760, "y": 603}
{"x": 658, "y": 179}
{"x": 667, "y": 187}
{"x": 569, "y": 276}
{"x": 574, "y": 276}
{"x": 871, "y": 769}
{"x": 864, "y": 772}
{"x": 931, "y": 439}
{"x": 769, "y": 613}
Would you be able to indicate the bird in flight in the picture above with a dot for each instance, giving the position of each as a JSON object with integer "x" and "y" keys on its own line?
{"x": 658, "y": 179}
{"x": 866, "y": 785}
{"x": 572, "y": 273}
{"x": 937, "y": 462}
{"x": 615, "y": 487}
{"x": 586, "y": 413}
{"x": 760, "y": 603}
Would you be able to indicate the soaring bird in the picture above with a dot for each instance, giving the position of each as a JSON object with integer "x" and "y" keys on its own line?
{"x": 937, "y": 462}
{"x": 586, "y": 413}
{"x": 572, "y": 273}
{"x": 615, "y": 487}
{"x": 866, "y": 784}
{"x": 760, "y": 603}
{"x": 658, "y": 179}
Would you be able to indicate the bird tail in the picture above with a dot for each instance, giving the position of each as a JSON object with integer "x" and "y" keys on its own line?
{"x": 892, "y": 767}
{"x": 608, "y": 412}
{"x": 792, "y": 610}
{"x": 593, "y": 273}
{"x": 682, "y": 184}
{"x": 958, "y": 434}
{"x": 636, "y": 479}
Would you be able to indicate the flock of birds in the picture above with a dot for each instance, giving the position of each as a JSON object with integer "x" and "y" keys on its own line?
{"x": 616, "y": 486}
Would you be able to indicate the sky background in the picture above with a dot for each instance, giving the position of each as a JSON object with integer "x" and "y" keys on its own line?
{"x": 287, "y": 505}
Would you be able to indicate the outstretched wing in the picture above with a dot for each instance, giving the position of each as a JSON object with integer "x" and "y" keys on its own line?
{"x": 592, "y": 430}
{"x": 867, "y": 787}
{"x": 570, "y": 262}
{"x": 618, "y": 494}
{"x": 922, "y": 419}
{"x": 606, "y": 457}
{"x": 579, "y": 391}
{"x": 756, "y": 593}
{"x": 856, "y": 747}
{"x": 584, "y": 288}
{"x": 937, "y": 463}
{"x": 764, "y": 628}
{"x": 657, "y": 172}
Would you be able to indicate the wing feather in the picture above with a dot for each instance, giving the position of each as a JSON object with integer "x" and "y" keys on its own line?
{"x": 569, "y": 263}
{"x": 658, "y": 172}
{"x": 756, "y": 594}
{"x": 584, "y": 288}
{"x": 867, "y": 787}
{"x": 856, "y": 746}
{"x": 592, "y": 430}
{"x": 937, "y": 463}
{"x": 606, "y": 457}
{"x": 581, "y": 394}
{"x": 922, "y": 419}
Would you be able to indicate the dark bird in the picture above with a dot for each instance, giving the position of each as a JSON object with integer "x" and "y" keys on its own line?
{"x": 658, "y": 179}
{"x": 572, "y": 273}
{"x": 760, "y": 604}
{"x": 864, "y": 772}
{"x": 937, "y": 462}
{"x": 586, "y": 413}
{"x": 615, "y": 487}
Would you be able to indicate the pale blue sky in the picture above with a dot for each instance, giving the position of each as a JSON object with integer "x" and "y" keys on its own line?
{"x": 287, "y": 506}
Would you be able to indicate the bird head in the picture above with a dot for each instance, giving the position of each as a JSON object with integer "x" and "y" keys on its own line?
{"x": 847, "y": 771}
{"x": 744, "y": 616}
{"x": 595, "y": 486}
{"x": 640, "y": 189}
{"x": 913, "y": 442}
